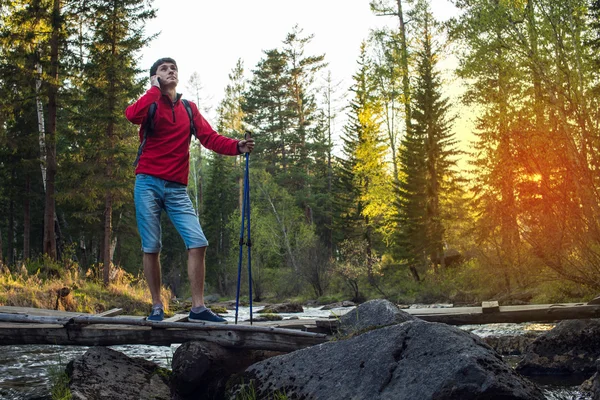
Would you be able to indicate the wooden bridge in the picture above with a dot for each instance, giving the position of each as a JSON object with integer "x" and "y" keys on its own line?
{"x": 20, "y": 326}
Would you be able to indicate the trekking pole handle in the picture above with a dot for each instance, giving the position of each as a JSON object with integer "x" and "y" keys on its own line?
{"x": 247, "y": 135}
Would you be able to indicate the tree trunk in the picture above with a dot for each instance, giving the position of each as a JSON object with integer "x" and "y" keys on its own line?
{"x": 414, "y": 273}
{"x": 41, "y": 128}
{"x": 27, "y": 219}
{"x": 286, "y": 239}
{"x": 107, "y": 237}
{"x": 49, "y": 209}
{"x": 1, "y": 247}
{"x": 11, "y": 232}
{"x": 404, "y": 66}
{"x": 330, "y": 118}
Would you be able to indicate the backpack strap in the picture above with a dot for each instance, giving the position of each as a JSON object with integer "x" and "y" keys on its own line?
{"x": 149, "y": 126}
{"x": 188, "y": 108}
{"x": 148, "y": 129}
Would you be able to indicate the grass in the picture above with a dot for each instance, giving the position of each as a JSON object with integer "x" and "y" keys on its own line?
{"x": 59, "y": 382}
{"x": 27, "y": 286}
{"x": 248, "y": 392}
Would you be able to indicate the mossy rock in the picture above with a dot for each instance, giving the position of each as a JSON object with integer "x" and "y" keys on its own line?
{"x": 218, "y": 309}
{"x": 268, "y": 317}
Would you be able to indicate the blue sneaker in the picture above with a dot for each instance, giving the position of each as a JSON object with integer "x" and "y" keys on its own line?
{"x": 156, "y": 315}
{"x": 205, "y": 316}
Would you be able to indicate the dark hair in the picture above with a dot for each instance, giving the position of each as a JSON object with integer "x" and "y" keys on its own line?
{"x": 159, "y": 62}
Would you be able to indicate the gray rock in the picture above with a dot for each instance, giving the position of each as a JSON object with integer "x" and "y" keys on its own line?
{"x": 267, "y": 317}
{"x": 570, "y": 348}
{"x": 592, "y": 385}
{"x": 414, "y": 360}
{"x": 282, "y": 308}
{"x": 372, "y": 314}
{"x": 340, "y": 304}
{"x": 201, "y": 369}
{"x": 211, "y": 298}
{"x": 510, "y": 345}
{"x": 102, "y": 373}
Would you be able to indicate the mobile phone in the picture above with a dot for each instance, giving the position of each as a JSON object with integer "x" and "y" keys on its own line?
{"x": 158, "y": 80}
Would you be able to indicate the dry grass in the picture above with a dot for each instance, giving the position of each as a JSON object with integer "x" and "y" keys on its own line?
{"x": 72, "y": 291}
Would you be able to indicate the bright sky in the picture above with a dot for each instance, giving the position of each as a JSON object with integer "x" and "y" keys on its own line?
{"x": 209, "y": 36}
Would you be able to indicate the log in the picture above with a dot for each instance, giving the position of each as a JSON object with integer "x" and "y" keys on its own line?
{"x": 177, "y": 318}
{"x": 110, "y": 335}
{"x": 513, "y": 314}
{"x": 93, "y": 320}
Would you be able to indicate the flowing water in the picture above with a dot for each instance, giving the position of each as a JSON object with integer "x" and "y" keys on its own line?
{"x": 25, "y": 370}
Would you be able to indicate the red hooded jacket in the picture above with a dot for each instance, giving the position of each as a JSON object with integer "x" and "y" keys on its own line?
{"x": 166, "y": 153}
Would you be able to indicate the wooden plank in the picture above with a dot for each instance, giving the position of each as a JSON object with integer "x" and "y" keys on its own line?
{"x": 93, "y": 320}
{"x": 36, "y": 311}
{"x": 489, "y": 307}
{"x": 100, "y": 335}
{"x": 177, "y": 318}
{"x": 517, "y": 314}
{"x": 110, "y": 313}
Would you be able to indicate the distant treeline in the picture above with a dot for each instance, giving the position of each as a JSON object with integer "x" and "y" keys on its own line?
{"x": 378, "y": 208}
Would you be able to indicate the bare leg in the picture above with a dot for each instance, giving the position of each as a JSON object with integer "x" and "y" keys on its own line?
{"x": 152, "y": 273}
{"x": 196, "y": 272}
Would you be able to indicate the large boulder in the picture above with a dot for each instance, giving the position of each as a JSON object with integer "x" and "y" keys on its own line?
{"x": 414, "y": 360}
{"x": 201, "y": 369}
{"x": 372, "y": 314}
{"x": 102, "y": 373}
{"x": 570, "y": 348}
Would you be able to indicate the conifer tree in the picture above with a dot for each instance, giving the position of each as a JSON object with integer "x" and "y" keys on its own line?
{"x": 305, "y": 140}
{"x": 110, "y": 84}
{"x": 365, "y": 184}
{"x": 223, "y": 184}
{"x": 432, "y": 122}
{"x": 24, "y": 38}
{"x": 489, "y": 61}
{"x": 267, "y": 109}
{"x": 393, "y": 72}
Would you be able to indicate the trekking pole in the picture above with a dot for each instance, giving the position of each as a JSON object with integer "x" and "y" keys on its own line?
{"x": 248, "y": 241}
{"x": 245, "y": 215}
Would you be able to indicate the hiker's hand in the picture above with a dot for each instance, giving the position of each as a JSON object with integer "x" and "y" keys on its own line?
{"x": 246, "y": 145}
{"x": 154, "y": 81}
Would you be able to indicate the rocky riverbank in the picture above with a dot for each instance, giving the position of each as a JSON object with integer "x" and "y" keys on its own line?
{"x": 380, "y": 353}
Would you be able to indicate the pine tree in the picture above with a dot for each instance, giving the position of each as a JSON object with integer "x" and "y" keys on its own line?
{"x": 267, "y": 109}
{"x": 432, "y": 122}
{"x": 223, "y": 185}
{"x": 533, "y": 77}
{"x": 24, "y": 28}
{"x": 489, "y": 62}
{"x": 110, "y": 84}
{"x": 305, "y": 140}
{"x": 364, "y": 183}
{"x": 393, "y": 72}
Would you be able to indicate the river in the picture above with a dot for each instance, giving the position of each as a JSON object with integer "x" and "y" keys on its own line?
{"x": 25, "y": 370}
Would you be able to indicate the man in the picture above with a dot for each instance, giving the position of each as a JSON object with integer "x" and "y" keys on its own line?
{"x": 161, "y": 181}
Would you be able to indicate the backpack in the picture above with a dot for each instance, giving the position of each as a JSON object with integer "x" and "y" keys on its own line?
{"x": 149, "y": 126}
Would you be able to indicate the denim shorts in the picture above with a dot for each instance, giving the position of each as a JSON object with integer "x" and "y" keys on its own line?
{"x": 152, "y": 195}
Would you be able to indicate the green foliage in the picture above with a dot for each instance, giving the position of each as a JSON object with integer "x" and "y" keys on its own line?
{"x": 59, "y": 382}
{"x": 248, "y": 392}
{"x": 530, "y": 70}
{"x": 293, "y": 148}
{"x": 561, "y": 291}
